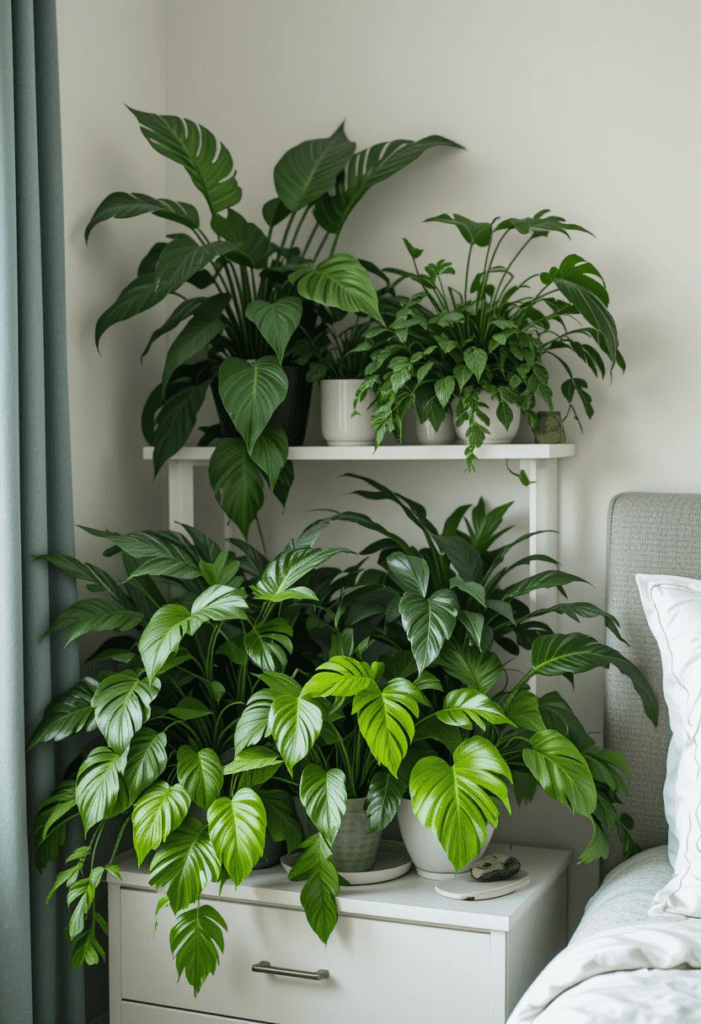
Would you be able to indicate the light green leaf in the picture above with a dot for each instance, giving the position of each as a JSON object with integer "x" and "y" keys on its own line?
{"x": 268, "y": 644}
{"x": 523, "y": 709}
{"x": 280, "y": 575}
{"x": 324, "y": 798}
{"x": 146, "y": 760}
{"x": 276, "y": 321}
{"x": 341, "y": 282}
{"x": 219, "y": 603}
{"x": 162, "y": 635}
{"x": 409, "y": 572}
{"x": 93, "y": 615}
{"x": 200, "y": 772}
{"x": 70, "y": 712}
{"x": 208, "y": 163}
{"x": 237, "y": 828}
{"x": 295, "y": 724}
{"x": 185, "y": 863}
{"x": 479, "y": 670}
{"x": 428, "y": 623}
{"x": 98, "y": 784}
{"x": 251, "y": 394}
{"x": 467, "y": 708}
{"x": 122, "y": 704}
{"x": 252, "y": 725}
{"x": 456, "y": 801}
{"x": 342, "y": 676}
{"x": 561, "y": 770}
{"x": 196, "y": 939}
{"x": 158, "y": 811}
{"x": 385, "y": 720}
{"x": 250, "y": 759}
{"x": 385, "y": 794}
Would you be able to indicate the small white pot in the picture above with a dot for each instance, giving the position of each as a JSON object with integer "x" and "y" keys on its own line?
{"x": 338, "y": 424}
{"x": 497, "y": 433}
{"x": 427, "y": 434}
{"x": 427, "y": 854}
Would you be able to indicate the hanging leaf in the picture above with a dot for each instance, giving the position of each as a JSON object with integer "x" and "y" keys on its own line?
{"x": 159, "y": 811}
{"x": 237, "y": 828}
{"x": 93, "y": 615}
{"x": 276, "y": 321}
{"x": 123, "y": 205}
{"x": 341, "y": 282}
{"x": 270, "y": 453}
{"x": 310, "y": 169}
{"x": 385, "y": 794}
{"x": 185, "y": 863}
{"x": 251, "y": 394}
{"x": 200, "y": 773}
{"x": 140, "y": 294}
{"x": 122, "y": 703}
{"x": 561, "y": 770}
{"x": 98, "y": 784}
{"x": 282, "y": 822}
{"x": 196, "y": 939}
{"x": 315, "y": 868}
{"x": 236, "y": 481}
{"x": 428, "y": 623}
{"x": 208, "y": 163}
{"x": 146, "y": 760}
{"x": 324, "y": 798}
{"x": 176, "y": 420}
{"x": 68, "y": 713}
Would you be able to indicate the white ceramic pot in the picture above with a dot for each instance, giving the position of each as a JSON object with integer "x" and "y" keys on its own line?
{"x": 338, "y": 424}
{"x": 427, "y": 434}
{"x": 497, "y": 433}
{"x": 429, "y": 858}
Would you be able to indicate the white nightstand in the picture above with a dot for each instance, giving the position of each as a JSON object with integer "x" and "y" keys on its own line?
{"x": 400, "y": 953}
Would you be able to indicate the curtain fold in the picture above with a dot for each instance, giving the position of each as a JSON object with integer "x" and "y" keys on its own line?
{"x": 36, "y": 509}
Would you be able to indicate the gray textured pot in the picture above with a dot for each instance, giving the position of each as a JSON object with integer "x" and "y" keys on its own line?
{"x": 354, "y": 848}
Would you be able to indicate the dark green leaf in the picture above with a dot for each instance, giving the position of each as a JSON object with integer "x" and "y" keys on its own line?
{"x": 132, "y": 204}
{"x": 310, "y": 169}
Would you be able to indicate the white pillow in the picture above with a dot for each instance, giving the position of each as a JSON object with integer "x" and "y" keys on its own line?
{"x": 672, "y": 607}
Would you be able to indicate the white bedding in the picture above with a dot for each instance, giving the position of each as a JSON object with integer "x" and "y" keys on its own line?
{"x": 620, "y": 964}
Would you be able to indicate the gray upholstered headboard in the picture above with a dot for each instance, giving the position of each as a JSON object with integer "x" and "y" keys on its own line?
{"x": 648, "y": 533}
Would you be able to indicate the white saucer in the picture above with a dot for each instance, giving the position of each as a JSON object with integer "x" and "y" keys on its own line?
{"x": 392, "y": 861}
{"x": 465, "y": 887}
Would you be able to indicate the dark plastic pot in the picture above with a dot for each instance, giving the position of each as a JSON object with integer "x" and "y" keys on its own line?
{"x": 291, "y": 416}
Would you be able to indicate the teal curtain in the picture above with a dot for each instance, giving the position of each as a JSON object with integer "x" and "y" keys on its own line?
{"x": 37, "y": 985}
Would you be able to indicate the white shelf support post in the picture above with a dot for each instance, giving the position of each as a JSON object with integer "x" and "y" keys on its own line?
{"x": 181, "y": 493}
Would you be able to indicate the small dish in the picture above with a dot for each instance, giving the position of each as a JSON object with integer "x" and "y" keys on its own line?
{"x": 392, "y": 861}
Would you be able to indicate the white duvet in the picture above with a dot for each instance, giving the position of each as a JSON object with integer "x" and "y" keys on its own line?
{"x": 621, "y": 965}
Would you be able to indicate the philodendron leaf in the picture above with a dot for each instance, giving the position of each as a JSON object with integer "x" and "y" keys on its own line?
{"x": 309, "y": 169}
{"x": 219, "y": 603}
{"x": 122, "y": 704}
{"x": 295, "y": 724}
{"x": 176, "y": 421}
{"x": 428, "y": 623}
{"x": 146, "y": 760}
{"x": 385, "y": 719}
{"x": 456, "y": 801}
{"x": 182, "y": 257}
{"x": 561, "y": 770}
{"x": 324, "y": 798}
{"x": 236, "y": 481}
{"x": 208, "y": 163}
{"x": 162, "y": 636}
{"x": 97, "y": 784}
{"x": 342, "y": 676}
{"x": 315, "y": 868}
{"x": 49, "y": 829}
{"x": 276, "y": 321}
{"x": 385, "y": 794}
{"x": 68, "y": 713}
{"x": 123, "y": 205}
{"x": 341, "y": 282}
{"x": 140, "y": 294}
{"x": 157, "y": 813}
{"x": 479, "y": 670}
{"x": 196, "y": 939}
{"x": 237, "y": 828}
{"x": 250, "y": 247}
{"x": 280, "y": 575}
{"x": 204, "y": 325}
{"x": 270, "y": 453}
{"x": 468, "y": 708}
{"x": 250, "y": 759}
{"x": 252, "y": 725}
{"x": 93, "y": 615}
{"x": 185, "y": 863}
{"x": 283, "y": 823}
{"x": 409, "y": 572}
{"x": 200, "y": 772}
{"x": 269, "y": 644}
{"x": 251, "y": 394}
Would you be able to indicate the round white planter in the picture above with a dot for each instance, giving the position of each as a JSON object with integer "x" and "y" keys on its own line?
{"x": 426, "y": 434}
{"x": 429, "y": 857}
{"x": 497, "y": 433}
{"x": 339, "y": 426}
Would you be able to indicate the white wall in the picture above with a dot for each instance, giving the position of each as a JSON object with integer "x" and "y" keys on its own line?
{"x": 590, "y": 110}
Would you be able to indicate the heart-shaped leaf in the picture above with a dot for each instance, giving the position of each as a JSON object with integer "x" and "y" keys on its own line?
{"x": 122, "y": 704}
{"x": 428, "y": 623}
{"x": 385, "y": 720}
{"x": 385, "y": 794}
{"x": 295, "y": 724}
{"x": 185, "y": 863}
{"x": 200, "y": 772}
{"x": 341, "y": 282}
{"x": 237, "y": 828}
{"x": 146, "y": 760}
{"x": 98, "y": 784}
{"x": 251, "y": 394}
{"x": 324, "y": 798}
{"x": 411, "y": 573}
{"x": 467, "y": 708}
{"x": 162, "y": 635}
{"x": 196, "y": 939}
{"x": 276, "y": 321}
{"x": 455, "y": 801}
{"x": 236, "y": 481}
{"x": 159, "y": 811}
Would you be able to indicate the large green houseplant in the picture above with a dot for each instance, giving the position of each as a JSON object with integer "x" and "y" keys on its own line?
{"x": 250, "y": 300}
{"x": 195, "y": 631}
{"x": 455, "y": 341}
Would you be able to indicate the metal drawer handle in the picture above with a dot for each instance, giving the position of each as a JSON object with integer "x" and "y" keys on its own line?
{"x": 264, "y": 967}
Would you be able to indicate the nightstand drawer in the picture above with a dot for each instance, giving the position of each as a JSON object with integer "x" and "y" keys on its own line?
{"x": 377, "y": 970}
{"x": 141, "y": 1013}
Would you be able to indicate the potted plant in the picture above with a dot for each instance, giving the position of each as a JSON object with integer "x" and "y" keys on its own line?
{"x": 478, "y": 349}
{"x": 167, "y": 756}
{"x": 254, "y": 302}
